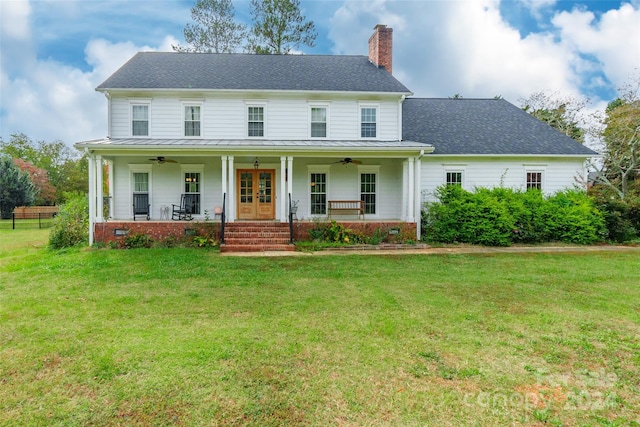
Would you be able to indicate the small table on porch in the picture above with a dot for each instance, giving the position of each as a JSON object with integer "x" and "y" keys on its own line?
{"x": 164, "y": 213}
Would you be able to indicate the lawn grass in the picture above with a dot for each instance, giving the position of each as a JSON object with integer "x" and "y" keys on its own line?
{"x": 188, "y": 337}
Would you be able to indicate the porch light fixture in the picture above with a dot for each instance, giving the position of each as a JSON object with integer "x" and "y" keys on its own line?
{"x": 256, "y": 164}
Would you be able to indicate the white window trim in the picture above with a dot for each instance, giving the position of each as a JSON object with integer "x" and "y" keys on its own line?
{"x": 362, "y": 105}
{"x": 324, "y": 105}
{"x": 140, "y": 168}
{"x": 370, "y": 169}
{"x": 262, "y": 104}
{"x": 453, "y": 169}
{"x": 530, "y": 168}
{"x": 325, "y": 169}
{"x": 137, "y": 102}
{"x": 193, "y": 103}
{"x": 197, "y": 168}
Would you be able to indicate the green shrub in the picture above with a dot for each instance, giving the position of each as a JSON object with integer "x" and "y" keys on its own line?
{"x": 573, "y": 218}
{"x": 464, "y": 217}
{"x": 137, "y": 240}
{"x": 502, "y": 216}
{"x": 622, "y": 217}
{"x": 71, "y": 225}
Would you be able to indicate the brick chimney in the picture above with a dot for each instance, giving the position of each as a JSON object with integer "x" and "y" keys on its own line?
{"x": 381, "y": 47}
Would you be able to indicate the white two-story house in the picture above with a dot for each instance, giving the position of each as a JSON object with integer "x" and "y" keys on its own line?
{"x": 245, "y": 134}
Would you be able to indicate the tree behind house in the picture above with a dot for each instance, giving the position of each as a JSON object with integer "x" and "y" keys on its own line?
{"x": 16, "y": 189}
{"x": 214, "y": 28}
{"x": 65, "y": 167}
{"x": 279, "y": 27}
{"x": 559, "y": 112}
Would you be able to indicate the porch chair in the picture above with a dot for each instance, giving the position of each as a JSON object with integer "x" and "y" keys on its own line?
{"x": 141, "y": 205}
{"x": 184, "y": 210}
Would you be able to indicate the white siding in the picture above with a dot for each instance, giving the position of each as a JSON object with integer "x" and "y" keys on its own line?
{"x": 120, "y": 124}
{"x": 166, "y": 185}
{"x": 225, "y": 118}
{"x": 558, "y": 174}
{"x": 343, "y": 183}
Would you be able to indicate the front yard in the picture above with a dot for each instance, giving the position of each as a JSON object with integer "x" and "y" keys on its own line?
{"x": 187, "y": 337}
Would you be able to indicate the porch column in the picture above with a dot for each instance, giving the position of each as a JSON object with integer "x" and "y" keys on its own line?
{"x": 418, "y": 195}
{"x": 231, "y": 194}
{"x": 224, "y": 179}
{"x": 99, "y": 192}
{"x": 405, "y": 184}
{"x": 110, "y": 186}
{"x": 92, "y": 196}
{"x": 283, "y": 186}
{"x": 290, "y": 180}
{"x": 411, "y": 191}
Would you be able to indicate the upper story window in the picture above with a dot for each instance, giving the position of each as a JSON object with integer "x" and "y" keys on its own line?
{"x": 318, "y": 122}
{"x": 140, "y": 120}
{"x": 192, "y": 120}
{"x": 255, "y": 121}
{"x": 368, "y": 122}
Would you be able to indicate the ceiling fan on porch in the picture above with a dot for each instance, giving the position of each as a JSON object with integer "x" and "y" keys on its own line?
{"x": 348, "y": 160}
{"x": 162, "y": 159}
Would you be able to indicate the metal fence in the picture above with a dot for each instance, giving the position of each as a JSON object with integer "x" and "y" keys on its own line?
{"x": 28, "y": 220}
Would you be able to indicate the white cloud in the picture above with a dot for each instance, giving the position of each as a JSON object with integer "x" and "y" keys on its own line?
{"x": 51, "y": 100}
{"x": 614, "y": 39}
{"x": 14, "y": 17}
{"x": 537, "y": 6}
{"x": 447, "y": 48}
{"x": 468, "y": 48}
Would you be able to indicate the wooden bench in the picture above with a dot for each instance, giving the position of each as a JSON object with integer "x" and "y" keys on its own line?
{"x": 346, "y": 205}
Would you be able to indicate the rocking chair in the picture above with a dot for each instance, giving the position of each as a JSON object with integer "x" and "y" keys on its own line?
{"x": 183, "y": 211}
{"x": 141, "y": 205}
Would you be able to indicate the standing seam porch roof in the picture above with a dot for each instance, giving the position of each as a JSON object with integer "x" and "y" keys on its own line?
{"x": 237, "y": 71}
{"x": 258, "y": 144}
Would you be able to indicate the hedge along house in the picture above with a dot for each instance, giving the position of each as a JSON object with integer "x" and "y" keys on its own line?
{"x": 255, "y": 137}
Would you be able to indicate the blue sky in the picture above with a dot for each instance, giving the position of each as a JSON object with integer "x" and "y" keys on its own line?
{"x": 55, "y": 52}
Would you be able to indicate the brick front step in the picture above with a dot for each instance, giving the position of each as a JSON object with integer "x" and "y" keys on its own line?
{"x": 256, "y": 234}
{"x": 256, "y": 237}
{"x": 256, "y": 241}
{"x": 255, "y": 247}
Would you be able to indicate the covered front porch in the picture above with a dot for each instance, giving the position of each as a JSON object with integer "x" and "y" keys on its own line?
{"x": 253, "y": 185}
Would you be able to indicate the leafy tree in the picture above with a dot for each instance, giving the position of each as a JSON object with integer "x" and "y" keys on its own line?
{"x": 214, "y": 28}
{"x": 279, "y": 27}
{"x": 561, "y": 113}
{"x": 16, "y": 189}
{"x": 621, "y": 137}
{"x": 45, "y": 192}
{"x": 57, "y": 158}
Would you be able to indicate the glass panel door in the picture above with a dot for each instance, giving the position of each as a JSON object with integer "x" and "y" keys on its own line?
{"x": 256, "y": 194}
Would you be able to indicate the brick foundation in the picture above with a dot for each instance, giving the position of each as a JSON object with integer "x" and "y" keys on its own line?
{"x": 406, "y": 230}
{"x": 104, "y": 232}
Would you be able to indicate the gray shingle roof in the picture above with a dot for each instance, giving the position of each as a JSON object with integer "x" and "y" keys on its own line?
{"x": 235, "y": 71}
{"x": 482, "y": 126}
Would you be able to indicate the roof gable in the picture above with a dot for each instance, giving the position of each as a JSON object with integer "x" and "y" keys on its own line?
{"x": 483, "y": 127}
{"x": 235, "y": 71}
